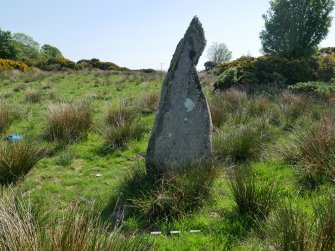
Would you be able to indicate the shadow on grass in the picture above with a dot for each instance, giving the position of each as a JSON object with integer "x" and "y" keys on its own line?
{"x": 153, "y": 199}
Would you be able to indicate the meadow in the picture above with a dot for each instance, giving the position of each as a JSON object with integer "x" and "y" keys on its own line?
{"x": 77, "y": 181}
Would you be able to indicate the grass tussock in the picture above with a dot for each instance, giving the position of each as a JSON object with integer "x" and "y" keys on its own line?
{"x": 149, "y": 103}
{"x": 294, "y": 229}
{"x": 76, "y": 231}
{"x": 174, "y": 194}
{"x": 122, "y": 126}
{"x": 313, "y": 149}
{"x": 5, "y": 118}
{"x": 224, "y": 104}
{"x": 17, "y": 159}
{"x": 241, "y": 142}
{"x": 253, "y": 197}
{"x": 68, "y": 122}
{"x": 33, "y": 96}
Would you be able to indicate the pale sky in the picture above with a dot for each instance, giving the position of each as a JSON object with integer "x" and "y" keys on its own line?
{"x": 137, "y": 34}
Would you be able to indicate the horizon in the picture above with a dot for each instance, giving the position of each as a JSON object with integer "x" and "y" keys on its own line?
{"x": 138, "y": 35}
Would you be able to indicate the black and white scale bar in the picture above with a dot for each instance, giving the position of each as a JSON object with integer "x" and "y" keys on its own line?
{"x": 173, "y": 232}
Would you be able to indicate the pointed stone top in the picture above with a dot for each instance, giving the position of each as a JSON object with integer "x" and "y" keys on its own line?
{"x": 196, "y": 35}
{"x": 195, "y": 39}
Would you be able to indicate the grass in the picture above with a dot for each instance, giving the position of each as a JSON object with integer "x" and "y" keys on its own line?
{"x": 251, "y": 129}
{"x": 121, "y": 126}
{"x": 68, "y": 122}
{"x": 294, "y": 229}
{"x": 17, "y": 159}
{"x": 253, "y": 197}
{"x": 148, "y": 103}
{"x": 174, "y": 194}
{"x": 78, "y": 230}
{"x": 241, "y": 142}
{"x": 313, "y": 150}
{"x": 5, "y": 118}
{"x": 33, "y": 96}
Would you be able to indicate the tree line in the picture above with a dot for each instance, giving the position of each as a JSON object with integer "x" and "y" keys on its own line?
{"x": 292, "y": 29}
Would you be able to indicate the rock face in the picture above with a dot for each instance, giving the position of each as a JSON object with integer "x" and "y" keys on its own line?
{"x": 182, "y": 131}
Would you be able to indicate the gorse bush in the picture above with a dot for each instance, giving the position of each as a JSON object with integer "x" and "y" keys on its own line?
{"x": 8, "y": 65}
{"x": 56, "y": 64}
{"x": 313, "y": 88}
{"x": 17, "y": 159}
{"x": 173, "y": 194}
{"x": 268, "y": 71}
{"x": 121, "y": 126}
{"x": 97, "y": 64}
{"x": 77, "y": 231}
{"x": 68, "y": 122}
{"x": 253, "y": 197}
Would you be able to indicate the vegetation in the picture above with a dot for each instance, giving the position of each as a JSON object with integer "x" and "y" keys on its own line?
{"x": 23, "y": 229}
{"x": 68, "y": 122}
{"x": 273, "y": 72}
{"x": 7, "y": 48}
{"x": 76, "y": 179}
{"x": 16, "y": 160}
{"x": 218, "y": 53}
{"x": 294, "y": 28}
{"x": 268, "y": 148}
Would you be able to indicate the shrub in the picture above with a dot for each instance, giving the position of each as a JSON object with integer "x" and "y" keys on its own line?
{"x": 121, "y": 126}
{"x": 97, "y": 64}
{"x": 209, "y": 65}
{"x": 227, "y": 79}
{"x": 313, "y": 87}
{"x": 56, "y": 64}
{"x": 274, "y": 71}
{"x": 326, "y": 67}
{"x": 33, "y": 96}
{"x": 68, "y": 122}
{"x": 17, "y": 159}
{"x": 173, "y": 194}
{"x": 253, "y": 197}
{"x": 8, "y": 65}
{"x": 77, "y": 231}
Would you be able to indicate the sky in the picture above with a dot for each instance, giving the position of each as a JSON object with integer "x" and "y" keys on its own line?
{"x": 137, "y": 34}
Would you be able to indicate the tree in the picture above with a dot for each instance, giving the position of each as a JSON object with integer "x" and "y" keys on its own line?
{"x": 218, "y": 53}
{"x": 26, "y": 46}
{"x": 7, "y": 48}
{"x": 26, "y": 40}
{"x": 294, "y": 28}
{"x": 49, "y": 52}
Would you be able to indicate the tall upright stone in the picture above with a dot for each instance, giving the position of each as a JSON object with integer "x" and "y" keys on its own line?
{"x": 182, "y": 131}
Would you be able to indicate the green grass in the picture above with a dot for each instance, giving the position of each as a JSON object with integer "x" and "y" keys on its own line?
{"x": 253, "y": 132}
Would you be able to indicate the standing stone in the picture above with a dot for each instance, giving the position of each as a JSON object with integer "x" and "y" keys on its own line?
{"x": 182, "y": 131}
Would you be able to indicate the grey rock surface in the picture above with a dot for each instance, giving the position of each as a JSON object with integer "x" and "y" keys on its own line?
{"x": 182, "y": 131}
